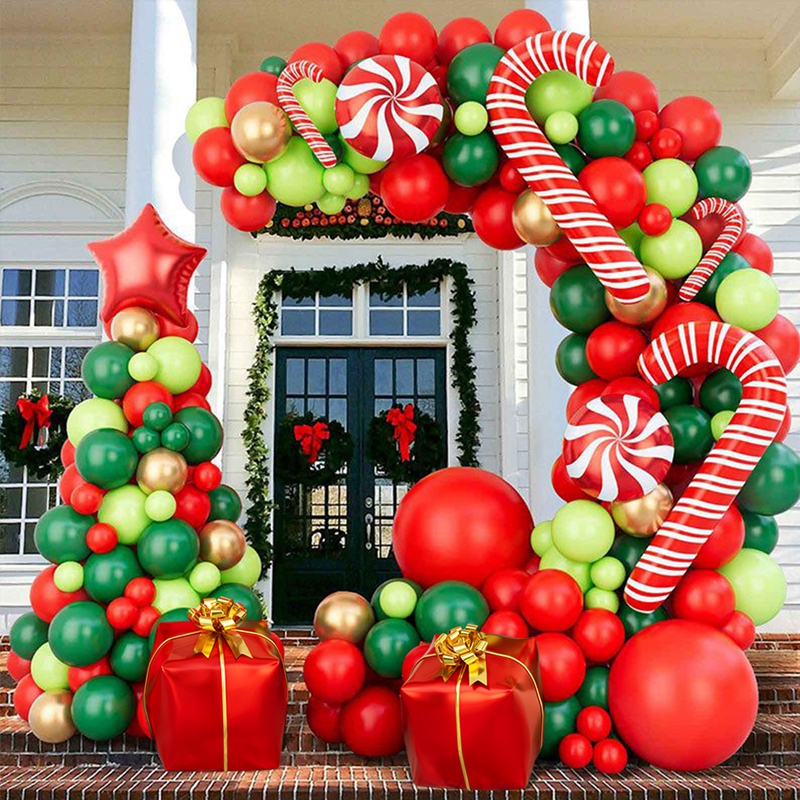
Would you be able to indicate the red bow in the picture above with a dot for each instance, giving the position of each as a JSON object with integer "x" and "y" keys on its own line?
{"x": 34, "y": 413}
{"x": 311, "y": 438}
{"x": 404, "y": 427}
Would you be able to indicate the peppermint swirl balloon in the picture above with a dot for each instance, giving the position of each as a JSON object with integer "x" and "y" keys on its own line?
{"x": 618, "y": 447}
{"x": 388, "y": 107}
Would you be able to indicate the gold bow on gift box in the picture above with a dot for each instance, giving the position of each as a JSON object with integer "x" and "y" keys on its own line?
{"x": 463, "y": 647}
{"x": 219, "y": 617}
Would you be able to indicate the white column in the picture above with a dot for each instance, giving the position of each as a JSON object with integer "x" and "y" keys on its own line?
{"x": 163, "y": 85}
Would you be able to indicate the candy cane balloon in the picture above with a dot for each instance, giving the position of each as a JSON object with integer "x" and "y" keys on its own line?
{"x": 731, "y": 231}
{"x": 729, "y": 464}
{"x": 291, "y": 74}
{"x": 576, "y": 213}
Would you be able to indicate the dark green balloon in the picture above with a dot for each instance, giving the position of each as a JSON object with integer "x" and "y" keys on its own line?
{"x": 129, "y": 657}
{"x": 244, "y": 595}
{"x": 594, "y": 689}
{"x": 676, "y": 391}
{"x": 168, "y": 549}
{"x": 103, "y": 707}
{"x": 732, "y": 262}
{"x": 80, "y": 634}
{"x": 448, "y": 605}
{"x": 376, "y": 595}
{"x": 470, "y": 160}
{"x": 225, "y": 503}
{"x": 60, "y": 534}
{"x": 157, "y": 416}
{"x": 205, "y": 434}
{"x": 606, "y": 128}
{"x": 629, "y": 549}
{"x": 107, "y": 458}
{"x": 723, "y": 172}
{"x": 175, "y": 437}
{"x": 691, "y": 430}
{"x": 571, "y": 156}
{"x": 105, "y": 575}
{"x": 721, "y": 391}
{"x": 635, "y": 621}
{"x": 105, "y": 370}
{"x": 273, "y": 64}
{"x": 578, "y": 300}
{"x": 760, "y": 531}
{"x": 146, "y": 439}
{"x": 774, "y": 485}
{"x": 28, "y": 633}
{"x": 559, "y": 720}
{"x": 173, "y": 615}
{"x": 571, "y": 361}
{"x": 471, "y": 70}
{"x": 387, "y": 644}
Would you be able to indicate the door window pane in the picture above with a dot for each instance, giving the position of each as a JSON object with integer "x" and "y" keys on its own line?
{"x": 316, "y": 376}
{"x": 337, "y": 383}
{"x": 295, "y": 376}
{"x": 404, "y": 379}
{"x": 426, "y": 368}
{"x": 384, "y": 377}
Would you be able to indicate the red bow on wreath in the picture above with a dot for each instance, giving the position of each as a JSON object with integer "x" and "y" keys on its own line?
{"x": 404, "y": 428}
{"x": 311, "y": 438}
{"x": 34, "y": 413}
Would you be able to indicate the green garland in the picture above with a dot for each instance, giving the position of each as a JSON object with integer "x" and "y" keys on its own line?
{"x": 336, "y": 280}
{"x": 292, "y": 464}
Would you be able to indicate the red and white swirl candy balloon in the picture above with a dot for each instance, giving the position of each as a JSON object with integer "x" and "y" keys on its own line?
{"x": 388, "y": 107}
{"x": 618, "y": 447}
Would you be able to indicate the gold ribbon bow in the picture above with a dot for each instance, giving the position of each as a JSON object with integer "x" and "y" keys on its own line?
{"x": 219, "y": 617}
{"x": 463, "y": 647}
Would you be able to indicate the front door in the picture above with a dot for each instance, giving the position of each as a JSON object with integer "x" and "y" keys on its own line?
{"x": 339, "y": 536}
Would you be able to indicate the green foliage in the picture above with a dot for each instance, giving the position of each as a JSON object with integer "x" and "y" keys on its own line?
{"x": 292, "y": 464}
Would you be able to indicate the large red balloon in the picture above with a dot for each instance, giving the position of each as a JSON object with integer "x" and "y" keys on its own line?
{"x": 756, "y": 252}
{"x": 725, "y": 542}
{"x": 502, "y": 589}
{"x": 355, "y": 46}
{"x": 617, "y": 187}
{"x": 409, "y": 34}
{"x": 461, "y": 524}
{"x": 139, "y": 396}
{"x": 246, "y": 213}
{"x": 518, "y": 25}
{"x": 215, "y": 157}
{"x": 323, "y": 55}
{"x": 334, "y": 671}
{"x": 251, "y": 87}
{"x": 25, "y": 693}
{"x": 703, "y": 595}
{"x": 547, "y": 267}
{"x": 613, "y": 349}
{"x": 415, "y": 189}
{"x": 491, "y": 218}
{"x": 632, "y": 89}
{"x": 323, "y": 719}
{"x": 506, "y": 623}
{"x": 458, "y": 34}
{"x": 682, "y": 695}
{"x": 551, "y": 601}
{"x": 371, "y": 723}
{"x": 783, "y": 338}
{"x": 698, "y": 123}
{"x": 562, "y": 665}
{"x": 47, "y": 599}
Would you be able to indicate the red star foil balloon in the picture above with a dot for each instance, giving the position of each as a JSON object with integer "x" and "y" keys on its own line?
{"x": 147, "y": 265}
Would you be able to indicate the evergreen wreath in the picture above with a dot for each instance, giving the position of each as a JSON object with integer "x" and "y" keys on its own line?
{"x": 292, "y": 465}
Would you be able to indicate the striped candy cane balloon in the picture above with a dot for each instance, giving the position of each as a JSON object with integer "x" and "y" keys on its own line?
{"x": 731, "y": 231}
{"x": 726, "y": 468}
{"x": 592, "y": 235}
{"x": 292, "y": 73}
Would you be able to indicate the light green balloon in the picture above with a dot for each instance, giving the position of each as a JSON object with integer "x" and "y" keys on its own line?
{"x": 561, "y": 127}
{"x": 675, "y": 253}
{"x": 608, "y": 573}
{"x": 360, "y": 187}
{"x": 542, "y": 537}
{"x": 47, "y": 671}
{"x": 124, "y": 510}
{"x": 92, "y": 414}
{"x": 553, "y": 559}
{"x": 206, "y": 113}
{"x": 601, "y": 598}
{"x": 160, "y": 506}
{"x": 179, "y": 363}
{"x": 672, "y": 183}
{"x": 247, "y": 571}
{"x": 557, "y": 91}
{"x": 295, "y": 178}
{"x": 471, "y": 118}
{"x": 719, "y": 422}
{"x": 174, "y": 593}
{"x": 583, "y": 531}
{"x": 250, "y": 180}
{"x": 319, "y": 102}
{"x": 142, "y": 367}
{"x": 748, "y": 298}
{"x": 398, "y": 599}
{"x": 68, "y": 576}
{"x": 632, "y": 236}
{"x": 362, "y": 164}
{"x": 339, "y": 179}
{"x": 758, "y": 582}
{"x": 331, "y": 203}
{"x": 204, "y": 578}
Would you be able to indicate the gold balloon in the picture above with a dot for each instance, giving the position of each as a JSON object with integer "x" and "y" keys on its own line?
{"x": 260, "y": 131}
{"x": 643, "y": 516}
{"x": 647, "y": 309}
{"x": 50, "y": 716}
{"x": 222, "y": 543}
{"x": 533, "y": 221}
{"x": 344, "y": 615}
{"x": 162, "y": 469}
{"x": 135, "y": 327}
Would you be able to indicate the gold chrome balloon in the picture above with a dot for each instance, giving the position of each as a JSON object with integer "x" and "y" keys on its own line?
{"x": 646, "y": 309}
{"x": 222, "y": 543}
{"x": 50, "y": 716}
{"x": 643, "y": 516}
{"x": 533, "y": 221}
{"x": 162, "y": 469}
{"x": 260, "y": 131}
{"x": 135, "y": 327}
{"x": 344, "y": 615}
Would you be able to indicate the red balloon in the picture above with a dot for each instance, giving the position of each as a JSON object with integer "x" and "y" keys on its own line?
{"x": 187, "y": 331}
{"x": 682, "y": 695}
{"x": 25, "y": 693}
{"x": 101, "y": 538}
{"x": 562, "y": 665}
{"x": 193, "y": 506}
{"x": 564, "y": 250}
{"x": 141, "y": 591}
{"x": 680, "y": 313}
{"x": 783, "y": 338}
{"x": 147, "y": 617}
{"x": 646, "y": 125}
{"x": 17, "y": 667}
{"x": 655, "y": 219}
{"x": 698, "y": 123}
{"x": 47, "y": 599}
{"x": 585, "y": 392}
{"x": 563, "y": 485}
{"x": 518, "y": 25}
{"x": 461, "y": 523}
{"x": 594, "y": 723}
{"x": 121, "y": 613}
{"x": 202, "y": 385}
{"x": 613, "y": 349}
{"x": 215, "y": 157}
{"x": 335, "y": 671}
{"x": 575, "y": 751}
{"x": 666, "y": 143}
{"x": 503, "y": 588}
{"x": 617, "y": 187}
{"x": 547, "y": 267}
{"x": 355, "y": 46}
{"x": 141, "y": 720}
{"x": 632, "y": 89}
{"x": 756, "y": 252}
{"x": 323, "y": 55}
{"x": 639, "y": 155}
{"x": 70, "y": 481}
{"x": 506, "y": 623}
{"x": 251, "y": 88}
{"x": 139, "y": 396}
{"x": 461, "y": 198}
{"x": 741, "y": 629}
{"x": 634, "y": 386}
{"x": 246, "y": 213}
{"x": 532, "y": 564}
{"x": 491, "y": 218}
{"x": 600, "y": 634}
{"x": 703, "y": 595}
{"x": 190, "y": 400}
{"x": 207, "y": 476}
{"x": 138, "y": 726}
{"x": 458, "y": 34}
{"x": 86, "y": 498}
{"x": 551, "y": 601}
{"x": 725, "y": 542}
{"x": 323, "y": 719}
{"x": 409, "y": 34}
{"x": 67, "y": 453}
{"x": 610, "y": 757}
{"x": 77, "y": 676}
{"x": 415, "y": 189}
{"x": 371, "y": 723}
{"x": 412, "y": 657}
{"x": 786, "y": 426}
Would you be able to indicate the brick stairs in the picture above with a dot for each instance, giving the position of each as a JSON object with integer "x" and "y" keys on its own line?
{"x": 767, "y": 766}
